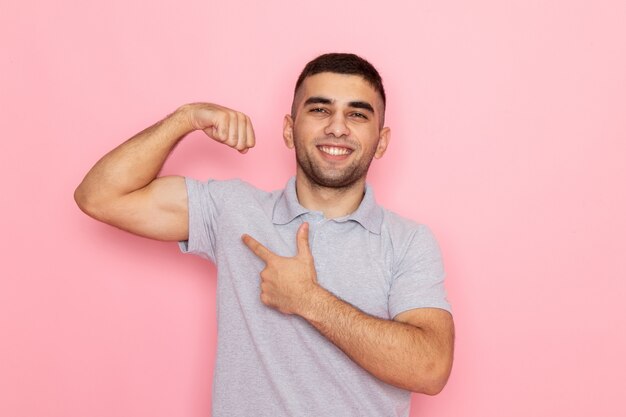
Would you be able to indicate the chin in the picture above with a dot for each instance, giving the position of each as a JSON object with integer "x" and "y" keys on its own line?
{"x": 345, "y": 181}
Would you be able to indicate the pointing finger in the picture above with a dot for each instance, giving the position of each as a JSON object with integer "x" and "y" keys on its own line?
{"x": 257, "y": 248}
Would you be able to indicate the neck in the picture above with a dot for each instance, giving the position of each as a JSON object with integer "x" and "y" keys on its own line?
{"x": 333, "y": 202}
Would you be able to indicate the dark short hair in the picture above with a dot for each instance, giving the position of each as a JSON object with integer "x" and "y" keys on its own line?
{"x": 342, "y": 63}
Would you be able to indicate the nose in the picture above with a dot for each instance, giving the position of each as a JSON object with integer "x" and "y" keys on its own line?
{"x": 337, "y": 126}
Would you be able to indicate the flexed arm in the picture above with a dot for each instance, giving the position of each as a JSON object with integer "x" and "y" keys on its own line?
{"x": 123, "y": 190}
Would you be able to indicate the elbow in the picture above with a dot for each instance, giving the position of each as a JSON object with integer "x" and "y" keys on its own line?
{"x": 86, "y": 202}
{"x": 82, "y": 199}
{"x": 433, "y": 388}
{"x": 433, "y": 380}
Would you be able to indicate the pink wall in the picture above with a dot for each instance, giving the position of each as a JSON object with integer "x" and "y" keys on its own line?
{"x": 509, "y": 140}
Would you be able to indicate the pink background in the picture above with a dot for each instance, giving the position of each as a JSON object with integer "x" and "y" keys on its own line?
{"x": 509, "y": 140}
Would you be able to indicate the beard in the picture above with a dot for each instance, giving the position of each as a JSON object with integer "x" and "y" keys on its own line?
{"x": 333, "y": 177}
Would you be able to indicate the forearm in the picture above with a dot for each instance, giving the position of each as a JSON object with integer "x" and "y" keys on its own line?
{"x": 398, "y": 353}
{"x": 135, "y": 163}
{"x": 413, "y": 351}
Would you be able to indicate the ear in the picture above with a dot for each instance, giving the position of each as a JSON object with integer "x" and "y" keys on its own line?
{"x": 288, "y": 131}
{"x": 383, "y": 142}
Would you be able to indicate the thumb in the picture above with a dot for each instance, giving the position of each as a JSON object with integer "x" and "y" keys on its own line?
{"x": 302, "y": 239}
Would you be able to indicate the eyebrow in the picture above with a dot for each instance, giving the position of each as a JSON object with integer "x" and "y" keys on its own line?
{"x": 317, "y": 100}
{"x": 361, "y": 105}
{"x": 355, "y": 104}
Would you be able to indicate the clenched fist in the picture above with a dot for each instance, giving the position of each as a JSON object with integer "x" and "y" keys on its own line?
{"x": 222, "y": 124}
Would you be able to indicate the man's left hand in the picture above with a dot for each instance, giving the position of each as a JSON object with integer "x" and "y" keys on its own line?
{"x": 287, "y": 284}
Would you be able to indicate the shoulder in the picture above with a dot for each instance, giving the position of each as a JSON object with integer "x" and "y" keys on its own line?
{"x": 225, "y": 190}
{"x": 400, "y": 228}
{"x": 406, "y": 235}
{"x": 233, "y": 195}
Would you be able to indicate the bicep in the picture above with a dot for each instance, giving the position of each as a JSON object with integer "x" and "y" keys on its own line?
{"x": 157, "y": 211}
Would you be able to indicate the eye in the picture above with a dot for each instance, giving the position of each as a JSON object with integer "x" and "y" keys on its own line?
{"x": 318, "y": 110}
{"x": 359, "y": 115}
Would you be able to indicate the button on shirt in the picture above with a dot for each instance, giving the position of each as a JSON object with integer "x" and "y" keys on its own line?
{"x": 271, "y": 364}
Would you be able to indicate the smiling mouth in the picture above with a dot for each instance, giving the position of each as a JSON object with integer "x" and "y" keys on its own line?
{"x": 335, "y": 150}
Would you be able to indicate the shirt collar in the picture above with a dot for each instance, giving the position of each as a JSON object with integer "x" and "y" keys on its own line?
{"x": 368, "y": 214}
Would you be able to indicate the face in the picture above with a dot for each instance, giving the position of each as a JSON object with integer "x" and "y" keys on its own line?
{"x": 336, "y": 129}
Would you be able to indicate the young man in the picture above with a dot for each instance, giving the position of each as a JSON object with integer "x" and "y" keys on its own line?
{"x": 328, "y": 304}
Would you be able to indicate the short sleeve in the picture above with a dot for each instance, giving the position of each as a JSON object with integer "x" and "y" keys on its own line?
{"x": 202, "y": 214}
{"x": 418, "y": 279}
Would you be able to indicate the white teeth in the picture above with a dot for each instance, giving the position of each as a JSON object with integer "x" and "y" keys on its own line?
{"x": 331, "y": 150}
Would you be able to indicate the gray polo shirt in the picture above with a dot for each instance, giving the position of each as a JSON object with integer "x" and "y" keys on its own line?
{"x": 271, "y": 364}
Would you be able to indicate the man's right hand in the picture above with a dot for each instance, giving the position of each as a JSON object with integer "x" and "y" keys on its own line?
{"x": 230, "y": 127}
